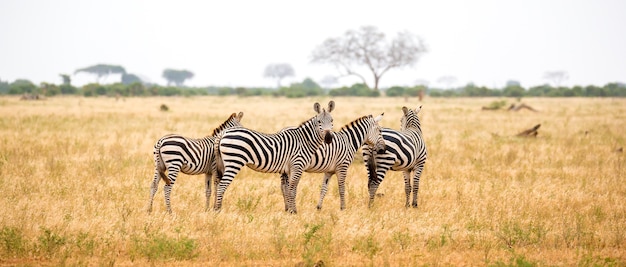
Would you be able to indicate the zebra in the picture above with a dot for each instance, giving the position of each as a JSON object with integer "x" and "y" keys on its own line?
{"x": 335, "y": 158}
{"x": 176, "y": 153}
{"x": 287, "y": 152}
{"x": 405, "y": 151}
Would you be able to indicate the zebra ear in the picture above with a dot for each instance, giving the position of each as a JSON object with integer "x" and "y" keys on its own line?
{"x": 316, "y": 107}
{"x": 405, "y": 110}
{"x": 417, "y": 110}
{"x": 379, "y": 117}
{"x": 331, "y": 106}
{"x": 239, "y": 116}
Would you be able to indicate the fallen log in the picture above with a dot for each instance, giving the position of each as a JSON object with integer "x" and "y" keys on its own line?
{"x": 532, "y": 132}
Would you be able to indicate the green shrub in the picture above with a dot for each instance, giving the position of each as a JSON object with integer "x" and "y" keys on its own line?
{"x": 161, "y": 247}
{"x": 12, "y": 242}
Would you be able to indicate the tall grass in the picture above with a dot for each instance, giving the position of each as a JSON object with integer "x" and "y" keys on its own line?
{"x": 75, "y": 176}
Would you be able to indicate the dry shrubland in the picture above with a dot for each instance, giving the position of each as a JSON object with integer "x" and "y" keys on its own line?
{"x": 76, "y": 172}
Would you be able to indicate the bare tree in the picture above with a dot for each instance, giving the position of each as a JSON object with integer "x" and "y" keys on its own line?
{"x": 367, "y": 47}
{"x": 279, "y": 72}
{"x": 556, "y": 77}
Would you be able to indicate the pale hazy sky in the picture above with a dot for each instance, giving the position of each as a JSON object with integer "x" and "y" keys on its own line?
{"x": 229, "y": 43}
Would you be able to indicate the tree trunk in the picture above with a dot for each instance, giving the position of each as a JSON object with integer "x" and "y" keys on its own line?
{"x": 376, "y": 80}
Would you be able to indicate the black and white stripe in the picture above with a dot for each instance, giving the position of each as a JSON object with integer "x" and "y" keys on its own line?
{"x": 286, "y": 152}
{"x": 175, "y": 153}
{"x": 336, "y": 157}
{"x": 405, "y": 152}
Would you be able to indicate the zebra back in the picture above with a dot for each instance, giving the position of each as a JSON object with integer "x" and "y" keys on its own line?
{"x": 362, "y": 131}
{"x": 406, "y": 152}
{"x": 287, "y": 151}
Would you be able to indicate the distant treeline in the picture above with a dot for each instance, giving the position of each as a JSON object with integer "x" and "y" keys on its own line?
{"x": 308, "y": 87}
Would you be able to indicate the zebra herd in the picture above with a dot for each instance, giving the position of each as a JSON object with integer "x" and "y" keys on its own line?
{"x": 311, "y": 147}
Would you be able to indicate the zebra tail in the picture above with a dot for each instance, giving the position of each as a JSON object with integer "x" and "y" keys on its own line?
{"x": 160, "y": 165}
{"x": 219, "y": 163}
{"x": 371, "y": 169}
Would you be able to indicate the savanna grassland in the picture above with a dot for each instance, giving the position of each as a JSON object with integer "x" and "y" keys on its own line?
{"x": 75, "y": 175}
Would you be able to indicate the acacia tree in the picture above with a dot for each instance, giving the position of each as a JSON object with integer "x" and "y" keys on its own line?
{"x": 556, "y": 77}
{"x": 176, "y": 77}
{"x": 129, "y": 78}
{"x": 66, "y": 79}
{"x": 102, "y": 70}
{"x": 367, "y": 47}
{"x": 279, "y": 72}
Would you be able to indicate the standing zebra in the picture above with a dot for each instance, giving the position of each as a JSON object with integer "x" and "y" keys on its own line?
{"x": 335, "y": 158}
{"x": 176, "y": 153}
{"x": 405, "y": 151}
{"x": 288, "y": 152}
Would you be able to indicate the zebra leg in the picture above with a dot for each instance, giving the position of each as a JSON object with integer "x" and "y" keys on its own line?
{"x": 294, "y": 179}
{"x": 284, "y": 185}
{"x": 207, "y": 185}
{"x": 407, "y": 186}
{"x": 341, "y": 183}
{"x": 324, "y": 189}
{"x": 416, "y": 183}
{"x": 229, "y": 173}
{"x": 154, "y": 186}
{"x": 169, "y": 183}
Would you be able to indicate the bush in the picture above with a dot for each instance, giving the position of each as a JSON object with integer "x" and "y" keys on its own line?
{"x": 161, "y": 248}
{"x": 395, "y": 91}
{"x": 12, "y": 242}
{"x": 19, "y": 87}
{"x": 357, "y": 89}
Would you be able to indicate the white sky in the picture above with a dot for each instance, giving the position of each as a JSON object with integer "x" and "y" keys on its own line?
{"x": 229, "y": 43}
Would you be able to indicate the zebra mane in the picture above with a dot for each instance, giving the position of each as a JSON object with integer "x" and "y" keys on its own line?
{"x": 354, "y": 121}
{"x": 299, "y": 126}
{"x": 233, "y": 120}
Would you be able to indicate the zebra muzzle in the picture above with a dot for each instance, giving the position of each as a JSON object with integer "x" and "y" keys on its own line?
{"x": 328, "y": 138}
{"x": 381, "y": 148}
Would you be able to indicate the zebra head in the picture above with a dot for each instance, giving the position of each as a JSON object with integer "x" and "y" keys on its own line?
{"x": 374, "y": 137}
{"x": 410, "y": 118}
{"x": 233, "y": 121}
{"x": 325, "y": 121}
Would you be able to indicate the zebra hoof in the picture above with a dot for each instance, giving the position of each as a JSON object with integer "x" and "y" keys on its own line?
{"x": 319, "y": 207}
{"x": 292, "y": 211}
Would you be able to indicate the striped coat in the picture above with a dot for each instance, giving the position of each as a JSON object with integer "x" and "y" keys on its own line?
{"x": 175, "y": 153}
{"x": 286, "y": 152}
{"x": 405, "y": 152}
{"x": 336, "y": 157}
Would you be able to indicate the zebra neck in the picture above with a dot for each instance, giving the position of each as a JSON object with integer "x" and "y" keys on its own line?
{"x": 309, "y": 133}
{"x": 354, "y": 133}
{"x": 413, "y": 131}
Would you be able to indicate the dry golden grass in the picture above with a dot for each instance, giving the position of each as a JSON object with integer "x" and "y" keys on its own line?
{"x": 75, "y": 175}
